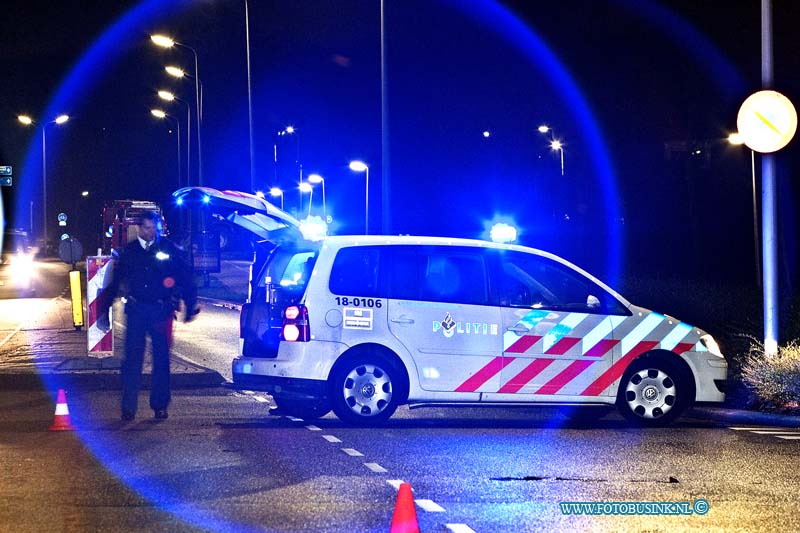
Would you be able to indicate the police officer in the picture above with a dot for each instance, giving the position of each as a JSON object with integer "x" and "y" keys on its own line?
{"x": 154, "y": 276}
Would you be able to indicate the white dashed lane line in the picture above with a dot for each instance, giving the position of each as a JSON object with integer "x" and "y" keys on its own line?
{"x": 352, "y": 453}
{"x": 430, "y": 506}
{"x": 459, "y": 528}
{"x": 780, "y": 433}
{"x": 375, "y": 467}
{"x": 426, "y": 505}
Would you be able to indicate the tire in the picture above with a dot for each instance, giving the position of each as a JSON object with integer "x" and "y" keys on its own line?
{"x": 305, "y": 409}
{"x": 653, "y": 392}
{"x": 367, "y": 390}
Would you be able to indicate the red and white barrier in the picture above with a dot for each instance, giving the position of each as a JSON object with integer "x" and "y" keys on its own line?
{"x": 98, "y": 275}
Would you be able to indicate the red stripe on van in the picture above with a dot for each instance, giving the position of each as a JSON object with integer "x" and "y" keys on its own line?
{"x": 484, "y": 374}
{"x": 524, "y": 342}
{"x": 683, "y": 347}
{"x": 615, "y": 372}
{"x": 524, "y": 377}
{"x": 565, "y": 376}
{"x": 563, "y": 346}
{"x": 601, "y": 348}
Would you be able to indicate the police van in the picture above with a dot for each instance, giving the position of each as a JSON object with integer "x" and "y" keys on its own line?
{"x": 364, "y": 324}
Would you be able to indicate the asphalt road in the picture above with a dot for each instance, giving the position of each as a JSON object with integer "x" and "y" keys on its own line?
{"x": 221, "y": 463}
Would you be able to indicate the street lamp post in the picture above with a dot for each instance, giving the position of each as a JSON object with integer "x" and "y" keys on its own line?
{"x": 360, "y": 166}
{"x": 316, "y": 178}
{"x": 170, "y": 97}
{"x": 167, "y": 42}
{"x": 160, "y": 114}
{"x": 306, "y": 187}
{"x": 555, "y": 144}
{"x": 737, "y": 140}
{"x": 249, "y": 98}
{"x": 26, "y": 120}
{"x": 275, "y": 191}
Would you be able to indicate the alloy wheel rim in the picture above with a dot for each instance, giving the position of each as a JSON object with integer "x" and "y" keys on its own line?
{"x": 367, "y": 390}
{"x": 650, "y": 393}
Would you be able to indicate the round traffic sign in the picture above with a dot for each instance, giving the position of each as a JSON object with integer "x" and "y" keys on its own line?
{"x": 767, "y": 121}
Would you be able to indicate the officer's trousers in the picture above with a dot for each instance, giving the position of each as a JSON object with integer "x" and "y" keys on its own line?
{"x": 143, "y": 320}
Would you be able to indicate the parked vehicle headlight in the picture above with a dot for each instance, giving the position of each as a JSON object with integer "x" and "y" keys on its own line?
{"x": 21, "y": 269}
{"x": 711, "y": 345}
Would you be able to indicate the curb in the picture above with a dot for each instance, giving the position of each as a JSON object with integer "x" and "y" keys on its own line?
{"x": 739, "y": 416}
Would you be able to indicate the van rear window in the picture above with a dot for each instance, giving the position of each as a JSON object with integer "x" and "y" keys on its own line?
{"x": 298, "y": 270}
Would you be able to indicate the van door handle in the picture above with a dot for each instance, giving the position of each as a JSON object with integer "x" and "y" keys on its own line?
{"x": 403, "y": 320}
{"x": 519, "y": 329}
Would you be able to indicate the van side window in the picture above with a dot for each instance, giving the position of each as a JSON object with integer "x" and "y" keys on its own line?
{"x": 453, "y": 276}
{"x": 528, "y": 280}
{"x": 355, "y": 271}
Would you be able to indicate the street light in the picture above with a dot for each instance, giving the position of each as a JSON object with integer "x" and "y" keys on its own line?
{"x": 306, "y": 187}
{"x": 167, "y": 42}
{"x": 160, "y": 114}
{"x": 556, "y": 145}
{"x": 170, "y": 97}
{"x": 737, "y": 140}
{"x": 316, "y": 178}
{"x": 27, "y": 121}
{"x": 360, "y": 166}
{"x": 275, "y": 191}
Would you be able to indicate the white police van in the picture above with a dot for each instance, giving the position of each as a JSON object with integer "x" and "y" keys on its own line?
{"x": 364, "y": 324}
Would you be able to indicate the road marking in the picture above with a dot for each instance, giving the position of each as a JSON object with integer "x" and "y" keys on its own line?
{"x": 294, "y": 419}
{"x": 745, "y": 428}
{"x": 459, "y": 528}
{"x": 261, "y": 399}
{"x": 396, "y": 483}
{"x": 352, "y": 453}
{"x": 330, "y": 438}
{"x": 430, "y": 506}
{"x": 775, "y": 432}
{"x": 788, "y": 437}
{"x": 375, "y": 467}
{"x": 313, "y": 428}
{"x": 10, "y": 335}
{"x": 247, "y": 392}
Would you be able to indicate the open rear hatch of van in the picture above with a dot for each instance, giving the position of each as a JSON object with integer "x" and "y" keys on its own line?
{"x": 277, "y": 274}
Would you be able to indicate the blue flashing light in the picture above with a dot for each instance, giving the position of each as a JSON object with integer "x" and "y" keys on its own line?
{"x": 206, "y": 199}
{"x": 313, "y": 228}
{"x": 503, "y": 233}
{"x": 179, "y": 201}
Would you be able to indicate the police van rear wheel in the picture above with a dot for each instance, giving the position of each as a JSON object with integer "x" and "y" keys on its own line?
{"x": 653, "y": 392}
{"x": 366, "y": 391}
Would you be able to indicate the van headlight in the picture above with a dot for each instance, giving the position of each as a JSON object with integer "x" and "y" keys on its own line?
{"x": 711, "y": 345}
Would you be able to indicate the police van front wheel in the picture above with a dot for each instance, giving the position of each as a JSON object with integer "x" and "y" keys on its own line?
{"x": 366, "y": 391}
{"x": 653, "y": 392}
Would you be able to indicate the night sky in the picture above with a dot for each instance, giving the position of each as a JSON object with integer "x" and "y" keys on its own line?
{"x": 618, "y": 81}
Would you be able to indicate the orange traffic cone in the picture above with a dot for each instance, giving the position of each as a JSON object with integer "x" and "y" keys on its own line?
{"x": 61, "y": 420}
{"x": 404, "y": 519}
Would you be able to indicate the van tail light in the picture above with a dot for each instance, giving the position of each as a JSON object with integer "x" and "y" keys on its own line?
{"x": 295, "y": 324}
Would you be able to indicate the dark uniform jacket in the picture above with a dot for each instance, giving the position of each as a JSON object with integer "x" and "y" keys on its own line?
{"x": 158, "y": 277}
